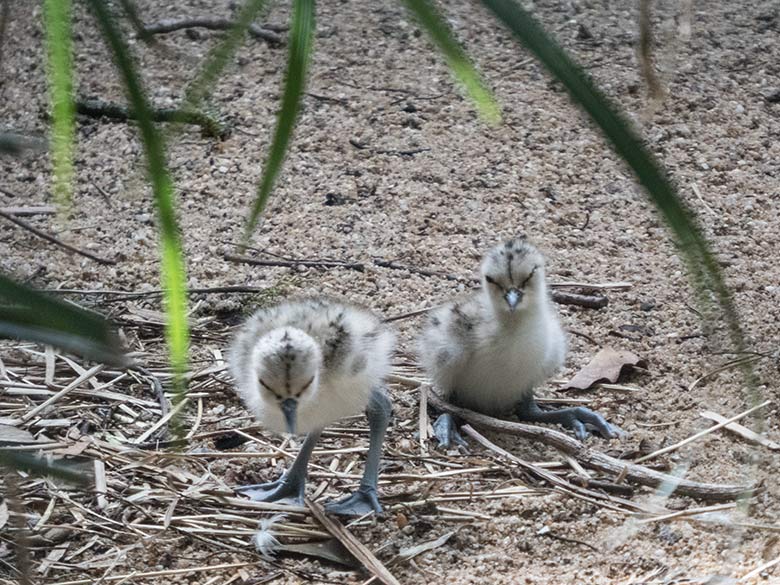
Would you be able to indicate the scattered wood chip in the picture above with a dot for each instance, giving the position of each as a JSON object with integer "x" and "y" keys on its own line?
{"x": 85, "y": 377}
{"x": 3, "y": 514}
{"x": 330, "y": 550}
{"x": 101, "y": 486}
{"x": 54, "y": 556}
{"x": 606, "y": 366}
{"x": 10, "y": 435}
{"x": 410, "y": 552}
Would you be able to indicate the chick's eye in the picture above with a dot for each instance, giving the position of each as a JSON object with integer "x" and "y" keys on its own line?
{"x": 305, "y": 386}
{"x": 527, "y": 278}
{"x": 267, "y": 387}
{"x": 489, "y": 280}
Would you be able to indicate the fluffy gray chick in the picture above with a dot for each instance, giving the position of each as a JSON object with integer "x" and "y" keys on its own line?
{"x": 489, "y": 351}
{"x": 302, "y": 365}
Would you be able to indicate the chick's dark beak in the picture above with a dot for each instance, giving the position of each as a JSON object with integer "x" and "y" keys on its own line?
{"x": 513, "y": 297}
{"x": 290, "y": 411}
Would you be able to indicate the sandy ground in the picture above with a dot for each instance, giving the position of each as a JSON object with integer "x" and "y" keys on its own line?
{"x": 544, "y": 173}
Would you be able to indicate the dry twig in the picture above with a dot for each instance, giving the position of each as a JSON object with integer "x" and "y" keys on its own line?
{"x": 654, "y": 88}
{"x": 29, "y": 210}
{"x": 174, "y": 24}
{"x": 701, "y": 434}
{"x": 49, "y": 238}
{"x": 295, "y": 263}
{"x": 209, "y": 126}
{"x": 742, "y": 431}
{"x": 353, "y": 545}
{"x": 591, "y": 458}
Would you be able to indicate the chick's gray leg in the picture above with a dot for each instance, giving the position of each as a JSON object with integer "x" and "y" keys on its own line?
{"x": 291, "y": 486}
{"x": 573, "y": 418}
{"x": 365, "y": 499}
{"x": 446, "y": 430}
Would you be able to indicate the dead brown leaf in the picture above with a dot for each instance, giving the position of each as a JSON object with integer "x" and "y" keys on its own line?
{"x": 606, "y": 366}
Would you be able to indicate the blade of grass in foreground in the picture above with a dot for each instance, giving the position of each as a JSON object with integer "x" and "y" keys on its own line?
{"x": 173, "y": 270}
{"x": 694, "y": 247}
{"x": 301, "y": 35}
{"x": 59, "y": 72}
{"x": 432, "y": 21}
{"x": 216, "y": 60}
{"x": 29, "y": 315}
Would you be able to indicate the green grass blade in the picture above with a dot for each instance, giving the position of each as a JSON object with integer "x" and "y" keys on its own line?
{"x": 215, "y": 62}
{"x": 173, "y": 270}
{"x": 57, "y": 15}
{"x": 29, "y": 315}
{"x": 41, "y": 467}
{"x": 440, "y": 32}
{"x": 680, "y": 219}
{"x": 301, "y": 40}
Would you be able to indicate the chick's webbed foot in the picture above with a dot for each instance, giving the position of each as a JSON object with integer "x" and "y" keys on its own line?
{"x": 446, "y": 431}
{"x": 579, "y": 419}
{"x": 362, "y": 502}
{"x": 286, "y": 489}
{"x": 290, "y": 488}
{"x": 365, "y": 500}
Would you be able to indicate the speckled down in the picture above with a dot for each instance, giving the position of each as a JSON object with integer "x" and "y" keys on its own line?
{"x": 350, "y": 357}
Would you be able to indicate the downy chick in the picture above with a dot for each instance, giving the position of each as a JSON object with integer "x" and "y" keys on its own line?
{"x": 302, "y": 365}
{"x": 489, "y": 351}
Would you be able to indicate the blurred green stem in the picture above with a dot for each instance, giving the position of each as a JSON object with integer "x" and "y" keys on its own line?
{"x": 299, "y": 56}
{"x": 173, "y": 269}
{"x": 57, "y": 15}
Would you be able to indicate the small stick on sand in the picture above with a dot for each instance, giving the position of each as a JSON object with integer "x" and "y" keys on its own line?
{"x": 353, "y": 545}
{"x": 700, "y": 434}
{"x": 174, "y": 24}
{"x": 49, "y": 238}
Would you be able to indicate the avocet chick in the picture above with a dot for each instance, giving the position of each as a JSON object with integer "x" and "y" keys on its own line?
{"x": 489, "y": 351}
{"x": 302, "y": 365}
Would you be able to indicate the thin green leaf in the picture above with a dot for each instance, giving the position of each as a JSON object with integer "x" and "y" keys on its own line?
{"x": 434, "y": 23}
{"x": 301, "y": 37}
{"x": 625, "y": 141}
{"x": 213, "y": 66}
{"x": 215, "y": 62}
{"x": 173, "y": 270}
{"x": 29, "y": 315}
{"x": 60, "y": 70}
{"x": 42, "y": 467}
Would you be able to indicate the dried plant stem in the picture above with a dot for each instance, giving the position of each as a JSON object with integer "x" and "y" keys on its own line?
{"x": 56, "y": 241}
{"x": 174, "y": 24}
{"x": 591, "y": 458}
{"x": 20, "y": 538}
{"x": 654, "y": 88}
{"x": 701, "y": 434}
{"x": 353, "y": 545}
